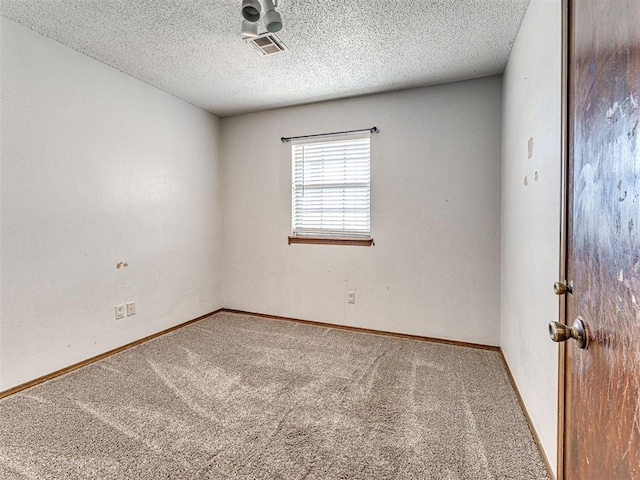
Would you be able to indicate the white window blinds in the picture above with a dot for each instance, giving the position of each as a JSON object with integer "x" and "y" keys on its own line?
{"x": 331, "y": 187}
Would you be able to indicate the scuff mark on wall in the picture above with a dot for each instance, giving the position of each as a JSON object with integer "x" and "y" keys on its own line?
{"x": 632, "y": 133}
{"x": 530, "y": 147}
{"x": 624, "y": 196}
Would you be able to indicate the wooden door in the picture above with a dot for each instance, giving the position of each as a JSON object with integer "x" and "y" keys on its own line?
{"x": 602, "y": 387}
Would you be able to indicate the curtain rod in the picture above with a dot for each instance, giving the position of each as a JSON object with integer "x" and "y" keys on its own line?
{"x": 371, "y": 130}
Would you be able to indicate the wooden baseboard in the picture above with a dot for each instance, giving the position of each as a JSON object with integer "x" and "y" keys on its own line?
{"x": 366, "y": 330}
{"x": 534, "y": 434}
{"x": 91, "y": 360}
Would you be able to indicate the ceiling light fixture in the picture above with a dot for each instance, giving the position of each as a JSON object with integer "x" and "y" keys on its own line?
{"x": 251, "y": 10}
{"x": 272, "y": 20}
{"x": 249, "y": 29}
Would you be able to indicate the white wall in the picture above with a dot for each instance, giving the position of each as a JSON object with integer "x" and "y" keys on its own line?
{"x": 434, "y": 269}
{"x": 531, "y": 213}
{"x": 98, "y": 168}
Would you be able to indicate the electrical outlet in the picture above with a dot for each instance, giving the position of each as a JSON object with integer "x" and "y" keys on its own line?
{"x": 120, "y": 312}
{"x": 131, "y": 308}
{"x": 351, "y": 297}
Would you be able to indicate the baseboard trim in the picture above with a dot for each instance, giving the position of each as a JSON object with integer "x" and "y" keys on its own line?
{"x": 532, "y": 429}
{"x": 366, "y": 330}
{"x": 91, "y": 360}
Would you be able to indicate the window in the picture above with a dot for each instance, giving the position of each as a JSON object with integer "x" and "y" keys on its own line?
{"x": 331, "y": 191}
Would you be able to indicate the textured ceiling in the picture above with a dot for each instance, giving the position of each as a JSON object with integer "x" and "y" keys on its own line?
{"x": 338, "y": 48}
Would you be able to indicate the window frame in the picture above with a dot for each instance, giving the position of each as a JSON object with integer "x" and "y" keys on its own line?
{"x": 331, "y": 237}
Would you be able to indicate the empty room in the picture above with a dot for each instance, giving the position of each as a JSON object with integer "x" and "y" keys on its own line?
{"x": 299, "y": 239}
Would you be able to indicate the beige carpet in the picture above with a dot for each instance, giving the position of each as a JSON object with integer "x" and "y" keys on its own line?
{"x": 239, "y": 397}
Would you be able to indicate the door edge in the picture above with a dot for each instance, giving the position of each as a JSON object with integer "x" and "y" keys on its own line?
{"x": 564, "y": 198}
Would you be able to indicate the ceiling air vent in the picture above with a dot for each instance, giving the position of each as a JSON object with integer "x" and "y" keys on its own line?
{"x": 267, "y": 44}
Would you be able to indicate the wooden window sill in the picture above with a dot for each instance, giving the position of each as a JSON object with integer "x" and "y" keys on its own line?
{"x": 354, "y": 241}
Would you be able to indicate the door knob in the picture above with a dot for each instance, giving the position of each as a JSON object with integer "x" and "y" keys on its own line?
{"x": 559, "y": 332}
{"x": 562, "y": 288}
